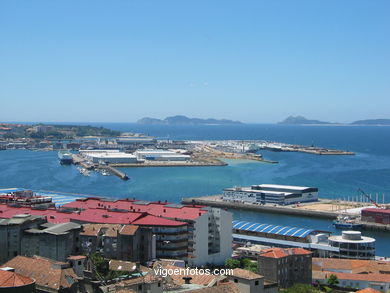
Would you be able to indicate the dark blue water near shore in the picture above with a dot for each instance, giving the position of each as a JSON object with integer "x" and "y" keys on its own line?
{"x": 336, "y": 176}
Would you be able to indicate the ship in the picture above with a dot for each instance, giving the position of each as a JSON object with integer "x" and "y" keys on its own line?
{"x": 347, "y": 223}
{"x": 65, "y": 157}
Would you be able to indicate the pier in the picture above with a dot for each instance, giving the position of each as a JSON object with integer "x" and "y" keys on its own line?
{"x": 115, "y": 172}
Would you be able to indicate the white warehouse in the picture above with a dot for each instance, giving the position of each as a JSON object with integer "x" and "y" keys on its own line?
{"x": 160, "y": 155}
{"x": 109, "y": 156}
{"x": 271, "y": 194}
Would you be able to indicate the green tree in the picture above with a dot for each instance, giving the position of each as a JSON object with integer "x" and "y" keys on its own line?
{"x": 232, "y": 263}
{"x": 301, "y": 288}
{"x": 332, "y": 280}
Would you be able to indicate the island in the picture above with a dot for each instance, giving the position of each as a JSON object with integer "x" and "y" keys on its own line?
{"x": 372, "y": 122}
{"x": 300, "y": 120}
{"x": 183, "y": 120}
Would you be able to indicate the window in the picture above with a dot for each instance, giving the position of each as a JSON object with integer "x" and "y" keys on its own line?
{"x": 256, "y": 283}
{"x": 159, "y": 284}
{"x": 235, "y": 281}
{"x": 79, "y": 262}
{"x": 140, "y": 287}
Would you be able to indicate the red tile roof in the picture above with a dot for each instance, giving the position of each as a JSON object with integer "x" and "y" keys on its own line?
{"x": 245, "y": 274}
{"x": 12, "y": 279}
{"x": 283, "y": 252}
{"x": 90, "y": 215}
{"x": 46, "y": 272}
{"x": 157, "y": 221}
{"x": 185, "y": 212}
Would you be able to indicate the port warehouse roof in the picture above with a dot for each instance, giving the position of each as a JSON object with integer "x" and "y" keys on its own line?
{"x": 94, "y": 210}
{"x": 272, "y": 229}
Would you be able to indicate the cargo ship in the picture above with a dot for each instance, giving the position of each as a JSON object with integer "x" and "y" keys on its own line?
{"x": 65, "y": 157}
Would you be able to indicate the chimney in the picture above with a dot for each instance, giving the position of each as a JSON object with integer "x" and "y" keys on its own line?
{"x": 187, "y": 280}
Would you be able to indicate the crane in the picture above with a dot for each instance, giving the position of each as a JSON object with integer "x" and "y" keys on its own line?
{"x": 369, "y": 197}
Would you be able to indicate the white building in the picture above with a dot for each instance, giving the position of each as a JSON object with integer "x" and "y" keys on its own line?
{"x": 109, "y": 156}
{"x": 272, "y": 194}
{"x": 160, "y": 155}
{"x": 353, "y": 245}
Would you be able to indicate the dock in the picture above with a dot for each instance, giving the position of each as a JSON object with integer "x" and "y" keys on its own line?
{"x": 116, "y": 172}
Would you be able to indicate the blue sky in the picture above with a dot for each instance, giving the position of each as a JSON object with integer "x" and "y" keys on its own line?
{"x": 254, "y": 61}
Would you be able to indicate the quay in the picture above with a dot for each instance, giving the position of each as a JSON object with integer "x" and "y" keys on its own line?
{"x": 115, "y": 171}
{"x": 322, "y": 209}
{"x": 78, "y": 160}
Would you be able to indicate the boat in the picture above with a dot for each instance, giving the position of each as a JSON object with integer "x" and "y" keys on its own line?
{"x": 65, "y": 157}
{"x": 347, "y": 223}
{"x": 84, "y": 171}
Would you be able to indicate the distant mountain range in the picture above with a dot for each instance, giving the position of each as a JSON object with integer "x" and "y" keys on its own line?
{"x": 300, "y": 120}
{"x": 183, "y": 120}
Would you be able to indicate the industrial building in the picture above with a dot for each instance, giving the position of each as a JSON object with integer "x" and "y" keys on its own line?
{"x": 108, "y": 156}
{"x": 271, "y": 194}
{"x": 352, "y": 244}
{"x": 376, "y": 215}
{"x": 160, "y": 155}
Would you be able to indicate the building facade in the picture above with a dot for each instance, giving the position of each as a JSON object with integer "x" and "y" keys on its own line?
{"x": 286, "y": 266}
{"x": 271, "y": 194}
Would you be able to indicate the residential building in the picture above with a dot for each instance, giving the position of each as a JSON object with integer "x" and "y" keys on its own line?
{"x": 53, "y": 241}
{"x": 49, "y": 275}
{"x": 351, "y": 266}
{"x": 246, "y": 281}
{"x": 286, "y": 266}
{"x": 12, "y": 231}
{"x": 115, "y": 241}
{"x": 199, "y": 235}
{"x": 271, "y": 194}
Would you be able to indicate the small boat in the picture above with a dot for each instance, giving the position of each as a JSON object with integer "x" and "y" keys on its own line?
{"x": 347, "y": 223}
{"x": 84, "y": 171}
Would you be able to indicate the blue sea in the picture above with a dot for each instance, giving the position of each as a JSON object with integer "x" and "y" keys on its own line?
{"x": 335, "y": 176}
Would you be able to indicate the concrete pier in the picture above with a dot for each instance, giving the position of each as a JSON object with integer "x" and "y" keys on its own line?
{"x": 116, "y": 172}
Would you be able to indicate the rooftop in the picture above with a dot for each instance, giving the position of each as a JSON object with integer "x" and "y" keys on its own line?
{"x": 12, "y": 279}
{"x": 245, "y": 274}
{"x": 283, "y": 252}
{"x": 272, "y": 229}
{"x": 351, "y": 266}
{"x": 165, "y": 209}
{"x": 46, "y": 272}
{"x": 358, "y": 277}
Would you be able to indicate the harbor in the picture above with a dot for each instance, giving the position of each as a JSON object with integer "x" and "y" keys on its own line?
{"x": 322, "y": 209}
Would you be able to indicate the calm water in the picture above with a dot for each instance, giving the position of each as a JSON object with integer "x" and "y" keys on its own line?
{"x": 335, "y": 176}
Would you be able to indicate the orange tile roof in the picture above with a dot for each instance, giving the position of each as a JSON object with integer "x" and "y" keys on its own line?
{"x": 77, "y": 257}
{"x": 351, "y": 265}
{"x": 46, "y": 272}
{"x": 357, "y": 277}
{"x": 12, "y": 279}
{"x": 110, "y": 230}
{"x": 245, "y": 274}
{"x": 221, "y": 288}
{"x": 200, "y": 279}
{"x": 368, "y": 290}
{"x": 277, "y": 252}
{"x": 128, "y": 230}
